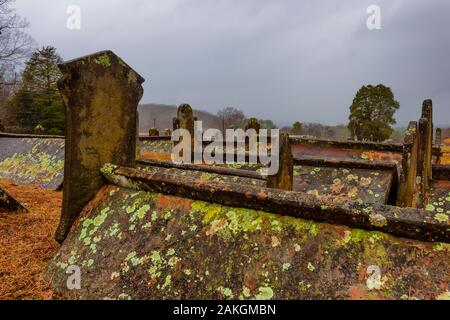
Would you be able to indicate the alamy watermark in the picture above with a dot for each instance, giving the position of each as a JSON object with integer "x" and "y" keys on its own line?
{"x": 239, "y": 146}
{"x": 374, "y": 20}
{"x": 74, "y": 279}
{"x": 74, "y": 18}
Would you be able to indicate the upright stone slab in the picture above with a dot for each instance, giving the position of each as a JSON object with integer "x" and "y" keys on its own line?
{"x": 438, "y": 138}
{"x": 406, "y": 196}
{"x": 423, "y": 173}
{"x": 185, "y": 118}
{"x": 285, "y": 175}
{"x": 101, "y": 93}
{"x": 427, "y": 113}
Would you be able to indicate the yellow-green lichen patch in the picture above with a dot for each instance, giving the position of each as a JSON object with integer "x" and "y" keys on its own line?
{"x": 441, "y": 217}
{"x": 226, "y": 292}
{"x": 36, "y": 167}
{"x": 103, "y": 60}
{"x": 90, "y": 226}
{"x": 265, "y": 293}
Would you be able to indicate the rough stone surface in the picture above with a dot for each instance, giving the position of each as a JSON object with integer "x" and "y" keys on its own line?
{"x": 32, "y": 160}
{"x": 439, "y": 201}
{"x": 9, "y": 204}
{"x": 404, "y": 222}
{"x": 143, "y": 245}
{"x": 371, "y": 186}
{"x": 101, "y": 94}
{"x": 155, "y": 145}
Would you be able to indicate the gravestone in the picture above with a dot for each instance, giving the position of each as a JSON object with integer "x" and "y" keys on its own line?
{"x": 284, "y": 178}
{"x": 101, "y": 93}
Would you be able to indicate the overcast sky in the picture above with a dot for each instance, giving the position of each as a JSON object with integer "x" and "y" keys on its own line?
{"x": 285, "y": 60}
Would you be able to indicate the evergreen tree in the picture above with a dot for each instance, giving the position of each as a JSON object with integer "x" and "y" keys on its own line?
{"x": 296, "y": 129}
{"x": 38, "y": 101}
{"x": 372, "y": 113}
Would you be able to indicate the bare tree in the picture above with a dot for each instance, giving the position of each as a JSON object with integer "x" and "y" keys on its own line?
{"x": 232, "y": 118}
{"x": 15, "y": 43}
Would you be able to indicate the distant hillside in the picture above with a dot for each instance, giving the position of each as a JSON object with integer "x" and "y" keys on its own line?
{"x": 163, "y": 115}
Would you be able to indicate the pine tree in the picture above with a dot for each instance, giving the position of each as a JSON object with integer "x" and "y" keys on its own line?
{"x": 38, "y": 101}
{"x": 372, "y": 113}
{"x": 297, "y": 128}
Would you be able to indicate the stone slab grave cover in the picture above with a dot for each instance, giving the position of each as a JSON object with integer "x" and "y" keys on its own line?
{"x": 32, "y": 160}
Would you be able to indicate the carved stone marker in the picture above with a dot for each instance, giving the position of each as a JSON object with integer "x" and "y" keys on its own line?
{"x": 101, "y": 93}
{"x": 185, "y": 118}
{"x": 284, "y": 178}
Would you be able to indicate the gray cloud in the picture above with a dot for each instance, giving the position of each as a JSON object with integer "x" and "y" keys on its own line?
{"x": 285, "y": 60}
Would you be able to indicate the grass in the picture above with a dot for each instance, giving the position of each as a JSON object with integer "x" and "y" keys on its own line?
{"x": 27, "y": 242}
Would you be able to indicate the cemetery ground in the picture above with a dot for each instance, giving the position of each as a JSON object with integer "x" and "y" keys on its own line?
{"x": 27, "y": 242}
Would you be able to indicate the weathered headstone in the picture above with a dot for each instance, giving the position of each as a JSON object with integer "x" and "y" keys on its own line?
{"x": 101, "y": 93}
{"x": 283, "y": 179}
{"x": 407, "y": 184}
{"x": 185, "y": 120}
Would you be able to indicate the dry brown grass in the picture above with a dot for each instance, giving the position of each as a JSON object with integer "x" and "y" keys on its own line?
{"x": 26, "y": 242}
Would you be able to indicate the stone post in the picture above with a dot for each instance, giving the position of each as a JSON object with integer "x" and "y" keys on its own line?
{"x": 427, "y": 113}
{"x": 423, "y": 171}
{"x": 406, "y": 196}
{"x": 101, "y": 94}
{"x": 438, "y": 139}
{"x": 285, "y": 175}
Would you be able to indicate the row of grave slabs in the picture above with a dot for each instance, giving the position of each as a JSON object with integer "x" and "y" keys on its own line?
{"x": 345, "y": 170}
{"x": 349, "y": 171}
